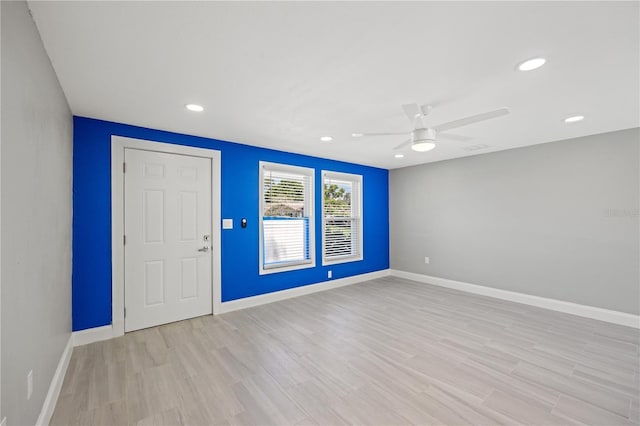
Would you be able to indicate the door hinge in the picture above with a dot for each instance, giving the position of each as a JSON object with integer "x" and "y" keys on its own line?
{"x": 124, "y": 240}
{"x": 124, "y": 167}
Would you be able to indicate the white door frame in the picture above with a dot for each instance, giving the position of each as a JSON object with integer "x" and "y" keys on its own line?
{"x": 118, "y": 145}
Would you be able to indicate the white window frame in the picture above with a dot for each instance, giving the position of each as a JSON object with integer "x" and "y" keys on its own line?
{"x": 309, "y": 197}
{"x": 356, "y": 203}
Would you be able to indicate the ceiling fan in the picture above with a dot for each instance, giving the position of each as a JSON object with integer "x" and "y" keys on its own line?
{"x": 423, "y": 137}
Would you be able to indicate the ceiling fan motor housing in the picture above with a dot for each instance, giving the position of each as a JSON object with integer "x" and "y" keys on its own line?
{"x": 423, "y": 135}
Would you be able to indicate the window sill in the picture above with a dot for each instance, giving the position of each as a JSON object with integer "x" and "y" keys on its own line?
{"x": 346, "y": 259}
{"x": 286, "y": 268}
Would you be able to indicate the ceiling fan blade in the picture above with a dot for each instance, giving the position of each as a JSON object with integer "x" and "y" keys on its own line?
{"x": 454, "y": 137}
{"x": 382, "y": 134}
{"x": 472, "y": 119}
{"x": 403, "y": 144}
{"x": 411, "y": 111}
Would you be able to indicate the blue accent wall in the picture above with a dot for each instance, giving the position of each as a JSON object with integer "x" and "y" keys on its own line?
{"x": 239, "y": 198}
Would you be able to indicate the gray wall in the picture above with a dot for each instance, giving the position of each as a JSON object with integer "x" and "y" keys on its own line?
{"x": 36, "y": 217}
{"x": 557, "y": 220}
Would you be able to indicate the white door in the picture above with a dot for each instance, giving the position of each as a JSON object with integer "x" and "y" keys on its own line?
{"x": 167, "y": 226}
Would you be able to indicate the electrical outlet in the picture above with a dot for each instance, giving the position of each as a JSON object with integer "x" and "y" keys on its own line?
{"x": 329, "y": 274}
{"x": 426, "y": 260}
{"x": 29, "y": 384}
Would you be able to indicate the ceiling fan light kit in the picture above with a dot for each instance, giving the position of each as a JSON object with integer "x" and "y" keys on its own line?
{"x": 423, "y": 146}
{"x": 422, "y": 140}
{"x": 423, "y": 137}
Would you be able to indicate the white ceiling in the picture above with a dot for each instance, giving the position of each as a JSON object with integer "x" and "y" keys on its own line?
{"x": 283, "y": 74}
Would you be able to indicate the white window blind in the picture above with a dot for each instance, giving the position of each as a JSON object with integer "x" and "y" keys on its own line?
{"x": 286, "y": 217}
{"x": 341, "y": 217}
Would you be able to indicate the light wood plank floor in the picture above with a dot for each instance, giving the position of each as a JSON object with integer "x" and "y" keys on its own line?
{"x": 384, "y": 352}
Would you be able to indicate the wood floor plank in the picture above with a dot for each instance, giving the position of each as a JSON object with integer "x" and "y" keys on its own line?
{"x": 523, "y": 409}
{"x": 390, "y": 351}
{"x": 576, "y": 388}
{"x": 588, "y": 413}
{"x": 170, "y": 417}
{"x": 114, "y": 413}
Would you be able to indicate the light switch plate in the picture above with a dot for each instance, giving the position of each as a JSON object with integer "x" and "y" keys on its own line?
{"x": 227, "y": 223}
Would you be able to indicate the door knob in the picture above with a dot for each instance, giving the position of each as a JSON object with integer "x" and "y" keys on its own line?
{"x": 204, "y": 249}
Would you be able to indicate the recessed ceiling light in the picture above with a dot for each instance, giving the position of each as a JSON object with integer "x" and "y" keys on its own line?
{"x": 399, "y": 155}
{"x": 574, "y": 119}
{"x": 326, "y": 139}
{"x": 532, "y": 64}
{"x": 194, "y": 107}
{"x": 356, "y": 135}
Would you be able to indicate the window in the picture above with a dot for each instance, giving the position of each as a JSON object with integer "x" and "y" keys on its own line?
{"x": 341, "y": 217}
{"x": 287, "y": 221}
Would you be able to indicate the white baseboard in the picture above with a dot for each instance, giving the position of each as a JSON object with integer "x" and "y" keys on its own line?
{"x": 90, "y": 335}
{"x": 56, "y": 384}
{"x": 84, "y": 337}
{"x": 248, "y": 302}
{"x": 615, "y": 317}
